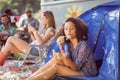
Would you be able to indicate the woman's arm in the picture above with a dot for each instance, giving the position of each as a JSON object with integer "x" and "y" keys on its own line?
{"x": 49, "y": 33}
{"x": 37, "y": 25}
{"x": 32, "y": 37}
{"x": 82, "y": 52}
{"x": 68, "y": 62}
{"x": 41, "y": 40}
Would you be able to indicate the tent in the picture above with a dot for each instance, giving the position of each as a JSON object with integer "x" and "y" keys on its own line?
{"x": 104, "y": 35}
{"x": 104, "y": 38}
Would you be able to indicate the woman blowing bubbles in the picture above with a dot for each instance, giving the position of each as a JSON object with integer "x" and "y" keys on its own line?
{"x": 80, "y": 60}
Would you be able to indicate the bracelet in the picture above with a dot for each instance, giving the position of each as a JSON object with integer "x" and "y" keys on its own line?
{"x": 61, "y": 50}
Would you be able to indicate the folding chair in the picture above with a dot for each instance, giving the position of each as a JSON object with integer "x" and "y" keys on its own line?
{"x": 39, "y": 60}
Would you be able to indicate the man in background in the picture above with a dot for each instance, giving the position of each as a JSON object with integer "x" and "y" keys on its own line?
{"x": 30, "y": 20}
{"x": 6, "y": 29}
{"x": 12, "y": 18}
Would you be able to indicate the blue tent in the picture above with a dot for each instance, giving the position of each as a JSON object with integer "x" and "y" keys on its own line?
{"x": 103, "y": 22}
{"x": 104, "y": 34}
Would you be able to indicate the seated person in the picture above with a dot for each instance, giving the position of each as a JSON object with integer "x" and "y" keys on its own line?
{"x": 79, "y": 61}
{"x": 12, "y": 18}
{"x": 6, "y": 29}
{"x": 54, "y": 46}
{"x": 30, "y": 20}
{"x": 17, "y": 45}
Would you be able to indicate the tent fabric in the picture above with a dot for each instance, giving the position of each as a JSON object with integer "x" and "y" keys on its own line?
{"x": 103, "y": 22}
{"x": 55, "y": 47}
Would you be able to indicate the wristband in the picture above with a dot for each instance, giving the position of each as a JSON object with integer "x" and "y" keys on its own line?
{"x": 61, "y": 50}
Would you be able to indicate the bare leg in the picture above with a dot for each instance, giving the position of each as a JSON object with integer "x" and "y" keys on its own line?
{"x": 9, "y": 47}
{"x": 13, "y": 44}
{"x": 19, "y": 44}
{"x": 44, "y": 75}
{"x": 0, "y": 46}
{"x": 45, "y": 67}
{"x": 54, "y": 69}
{"x": 5, "y": 53}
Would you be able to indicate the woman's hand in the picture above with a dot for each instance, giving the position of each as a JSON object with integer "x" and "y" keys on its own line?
{"x": 58, "y": 58}
{"x": 69, "y": 63}
{"x": 30, "y": 28}
{"x": 66, "y": 61}
{"x": 57, "y": 55}
{"x": 60, "y": 41}
{"x": 63, "y": 60}
{"x": 59, "y": 61}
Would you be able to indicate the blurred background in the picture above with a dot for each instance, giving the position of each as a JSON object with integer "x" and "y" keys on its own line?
{"x": 18, "y": 6}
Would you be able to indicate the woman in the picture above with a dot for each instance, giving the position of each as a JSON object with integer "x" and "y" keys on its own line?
{"x": 80, "y": 60}
{"x": 17, "y": 45}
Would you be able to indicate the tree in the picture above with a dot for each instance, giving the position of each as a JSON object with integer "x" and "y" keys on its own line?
{"x": 18, "y": 6}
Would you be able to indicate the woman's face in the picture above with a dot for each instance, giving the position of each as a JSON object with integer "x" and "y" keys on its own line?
{"x": 44, "y": 20}
{"x": 70, "y": 30}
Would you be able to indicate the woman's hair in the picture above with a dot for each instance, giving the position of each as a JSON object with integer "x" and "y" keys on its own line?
{"x": 59, "y": 33}
{"x": 81, "y": 28}
{"x": 51, "y": 21}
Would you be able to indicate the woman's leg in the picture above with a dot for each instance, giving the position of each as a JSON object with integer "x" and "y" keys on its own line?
{"x": 56, "y": 69}
{"x": 19, "y": 45}
{"x": 13, "y": 44}
{"x": 5, "y": 53}
{"x": 9, "y": 47}
{"x": 46, "y": 66}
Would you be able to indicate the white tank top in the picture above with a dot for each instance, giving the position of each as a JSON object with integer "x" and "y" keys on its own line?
{"x": 42, "y": 35}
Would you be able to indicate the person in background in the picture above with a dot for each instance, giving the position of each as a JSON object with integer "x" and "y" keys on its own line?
{"x": 79, "y": 61}
{"x": 18, "y": 45}
{"x": 6, "y": 29}
{"x": 12, "y": 18}
{"x": 30, "y": 20}
{"x": 0, "y": 20}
